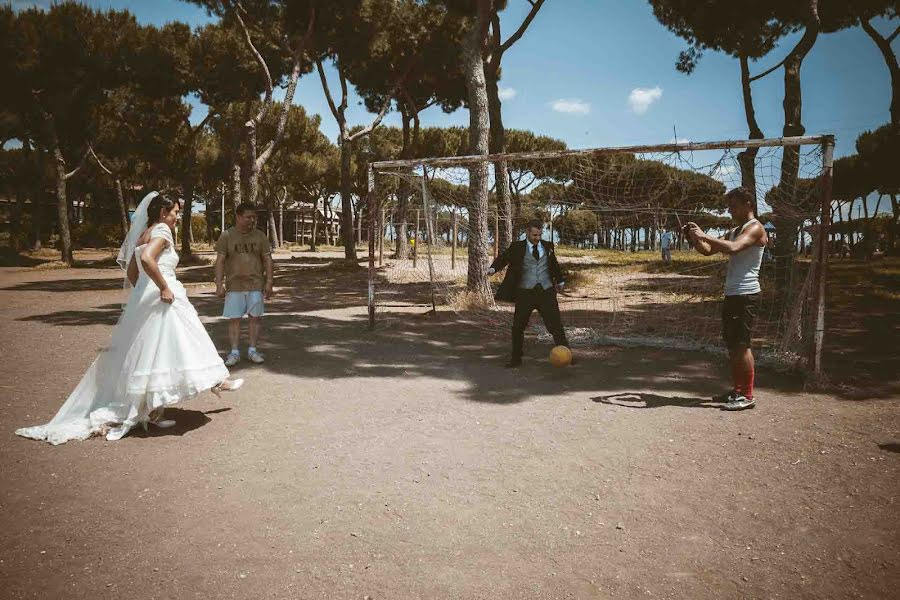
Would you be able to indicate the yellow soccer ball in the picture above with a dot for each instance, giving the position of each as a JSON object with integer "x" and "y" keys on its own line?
{"x": 560, "y": 356}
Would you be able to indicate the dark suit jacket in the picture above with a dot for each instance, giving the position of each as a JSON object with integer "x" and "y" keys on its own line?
{"x": 514, "y": 257}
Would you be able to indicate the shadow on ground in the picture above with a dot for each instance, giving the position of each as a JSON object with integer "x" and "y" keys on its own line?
{"x": 647, "y": 400}
{"x": 185, "y": 422}
{"x": 317, "y": 327}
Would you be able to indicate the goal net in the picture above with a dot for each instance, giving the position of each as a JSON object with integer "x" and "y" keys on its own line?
{"x": 610, "y": 212}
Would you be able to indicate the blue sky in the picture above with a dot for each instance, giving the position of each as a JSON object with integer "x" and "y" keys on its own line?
{"x": 571, "y": 77}
{"x": 593, "y": 53}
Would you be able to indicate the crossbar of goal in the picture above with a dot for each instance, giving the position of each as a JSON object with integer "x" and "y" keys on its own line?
{"x": 454, "y": 161}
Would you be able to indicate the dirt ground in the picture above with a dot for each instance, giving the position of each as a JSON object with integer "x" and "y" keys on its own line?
{"x": 408, "y": 463}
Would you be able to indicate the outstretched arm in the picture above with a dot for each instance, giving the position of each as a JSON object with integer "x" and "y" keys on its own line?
{"x": 707, "y": 244}
{"x": 500, "y": 262}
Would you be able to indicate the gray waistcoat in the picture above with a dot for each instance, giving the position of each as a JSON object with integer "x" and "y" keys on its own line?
{"x": 535, "y": 271}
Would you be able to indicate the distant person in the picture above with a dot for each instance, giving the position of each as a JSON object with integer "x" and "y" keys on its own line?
{"x": 665, "y": 246}
{"x": 159, "y": 354}
{"x": 532, "y": 282}
{"x": 744, "y": 246}
{"x": 244, "y": 261}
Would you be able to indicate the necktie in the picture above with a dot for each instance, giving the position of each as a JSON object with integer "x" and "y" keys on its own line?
{"x": 534, "y": 252}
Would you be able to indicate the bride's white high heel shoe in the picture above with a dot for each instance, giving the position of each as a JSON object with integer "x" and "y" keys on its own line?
{"x": 161, "y": 423}
{"x": 229, "y": 385}
{"x": 155, "y": 418}
{"x": 117, "y": 433}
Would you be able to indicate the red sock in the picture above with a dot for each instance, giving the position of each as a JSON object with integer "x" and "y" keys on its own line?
{"x": 748, "y": 383}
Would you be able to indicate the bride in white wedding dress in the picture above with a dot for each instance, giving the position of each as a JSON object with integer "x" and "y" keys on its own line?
{"x": 160, "y": 353}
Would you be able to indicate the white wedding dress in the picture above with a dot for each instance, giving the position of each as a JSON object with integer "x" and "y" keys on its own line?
{"x": 160, "y": 354}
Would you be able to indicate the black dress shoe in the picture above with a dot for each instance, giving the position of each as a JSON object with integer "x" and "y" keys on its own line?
{"x": 514, "y": 364}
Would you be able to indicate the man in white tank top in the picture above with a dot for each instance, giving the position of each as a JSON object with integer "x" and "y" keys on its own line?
{"x": 744, "y": 246}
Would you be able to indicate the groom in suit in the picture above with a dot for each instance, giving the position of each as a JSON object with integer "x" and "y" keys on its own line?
{"x": 532, "y": 282}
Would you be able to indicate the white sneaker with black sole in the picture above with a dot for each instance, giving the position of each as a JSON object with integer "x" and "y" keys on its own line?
{"x": 739, "y": 403}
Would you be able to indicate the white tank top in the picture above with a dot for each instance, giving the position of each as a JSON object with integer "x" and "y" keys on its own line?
{"x": 743, "y": 267}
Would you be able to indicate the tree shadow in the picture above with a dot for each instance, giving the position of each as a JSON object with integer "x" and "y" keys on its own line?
{"x": 69, "y": 285}
{"x": 185, "y": 422}
{"x": 647, "y": 400}
{"x": 9, "y": 258}
{"x": 890, "y": 447}
{"x": 102, "y": 315}
{"x": 448, "y": 346}
{"x": 316, "y": 327}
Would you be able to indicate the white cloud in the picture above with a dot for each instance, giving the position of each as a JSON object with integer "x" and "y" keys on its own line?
{"x": 506, "y": 93}
{"x": 724, "y": 173}
{"x": 678, "y": 140}
{"x": 573, "y": 106}
{"x": 640, "y": 99}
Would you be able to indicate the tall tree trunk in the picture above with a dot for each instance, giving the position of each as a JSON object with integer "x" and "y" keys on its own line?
{"x": 867, "y": 229}
{"x": 890, "y": 59}
{"x": 747, "y": 158}
{"x": 315, "y": 221}
{"x": 850, "y": 223}
{"x": 271, "y": 225}
{"x": 327, "y": 211}
{"x": 15, "y": 221}
{"x": 281, "y": 203}
{"x": 187, "y": 234}
{"x": 785, "y": 222}
{"x": 251, "y": 177}
{"x": 497, "y": 144}
{"x": 36, "y": 163}
{"x": 473, "y": 65}
{"x": 841, "y": 235}
{"x": 892, "y": 229}
{"x": 243, "y": 158}
{"x": 236, "y": 196}
{"x": 210, "y": 238}
{"x": 123, "y": 209}
{"x": 346, "y": 203}
{"x": 59, "y": 180}
{"x": 401, "y": 244}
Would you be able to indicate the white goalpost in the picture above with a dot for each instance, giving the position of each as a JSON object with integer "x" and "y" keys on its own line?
{"x": 607, "y": 210}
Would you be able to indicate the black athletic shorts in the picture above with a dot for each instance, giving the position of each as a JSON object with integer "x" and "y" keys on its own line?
{"x": 738, "y": 314}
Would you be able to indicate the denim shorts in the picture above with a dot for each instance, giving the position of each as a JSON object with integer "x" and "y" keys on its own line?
{"x": 238, "y": 304}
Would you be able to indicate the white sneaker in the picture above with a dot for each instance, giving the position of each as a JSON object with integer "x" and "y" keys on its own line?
{"x": 232, "y": 359}
{"x": 255, "y": 356}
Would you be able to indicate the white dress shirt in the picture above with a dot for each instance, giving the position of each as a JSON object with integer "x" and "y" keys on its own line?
{"x": 529, "y": 247}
